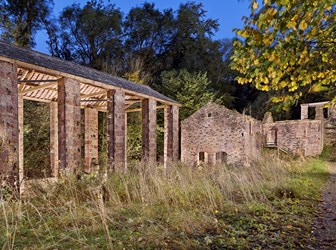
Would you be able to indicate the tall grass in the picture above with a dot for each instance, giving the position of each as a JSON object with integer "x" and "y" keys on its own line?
{"x": 148, "y": 207}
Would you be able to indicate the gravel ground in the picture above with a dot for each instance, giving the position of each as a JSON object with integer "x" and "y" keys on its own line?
{"x": 324, "y": 225}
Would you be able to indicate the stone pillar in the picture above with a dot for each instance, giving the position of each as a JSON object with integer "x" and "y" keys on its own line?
{"x": 21, "y": 141}
{"x": 116, "y": 130}
{"x": 69, "y": 126}
{"x": 319, "y": 113}
{"x": 304, "y": 112}
{"x": 211, "y": 159}
{"x": 171, "y": 136}
{"x": 149, "y": 130}
{"x": 91, "y": 138}
{"x": 126, "y": 136}
{"x": 54, "y": 139}
{"x": 9, "y": 130}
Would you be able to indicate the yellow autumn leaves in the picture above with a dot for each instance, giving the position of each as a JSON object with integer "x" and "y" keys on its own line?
{"x": 288, "y": 46}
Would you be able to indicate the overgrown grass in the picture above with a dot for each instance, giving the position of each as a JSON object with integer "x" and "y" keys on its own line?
{"x": 267, "y": 205}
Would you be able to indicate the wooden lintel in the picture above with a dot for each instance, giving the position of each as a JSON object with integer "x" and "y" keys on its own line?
{"x": 44, "y": 86}
{"x": 37, "y": 81}
{"x": 36, "y": 99}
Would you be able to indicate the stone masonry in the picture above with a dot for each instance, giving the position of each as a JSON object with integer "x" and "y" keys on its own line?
{"x": 91, "y": 138}
{"x": 9, "y": 141}
{"x": 116, "y": 130}
{"x": 149, "y": 130}
{"x": 215, "y": 134}
{"x": 304, "y": 137}
{"x": 171, "y": 135}
{"x": 54, "y": 139}
{"x": 69, "y": 125}
{"x": 21, "y": 141}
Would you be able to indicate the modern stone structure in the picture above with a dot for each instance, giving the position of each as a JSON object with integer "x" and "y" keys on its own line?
{"x": 215, "y": 134}
{"x": 68, "y": 88}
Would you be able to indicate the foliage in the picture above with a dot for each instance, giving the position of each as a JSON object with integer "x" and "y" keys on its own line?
{"x": 90, "y": 34}
{"x": 288, "y": 47}
{"x": 191, "y": 90}
{"x": 36, "y": 140}
{"x": 268, "y": 205}
{"x": 20, "y": 19}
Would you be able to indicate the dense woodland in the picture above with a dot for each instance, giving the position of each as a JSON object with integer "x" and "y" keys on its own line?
{"x": 175, "y": 52}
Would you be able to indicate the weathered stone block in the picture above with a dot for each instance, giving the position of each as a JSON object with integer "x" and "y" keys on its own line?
{"x": 116, "y": 135}
{"x": 9, "y": 132}
{"x": 69, "y": 125}
{"x": 91, "y": 138}
{"x": 149, "y": 130}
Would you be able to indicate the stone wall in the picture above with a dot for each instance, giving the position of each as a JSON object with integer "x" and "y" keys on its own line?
{"x": 299, "y": 136}
{"x": 218, "y": 134}
{"x": 330, "y": 128}
{"x": 9, "y": 133}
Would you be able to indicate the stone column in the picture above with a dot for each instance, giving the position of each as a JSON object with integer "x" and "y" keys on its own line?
{"x": 171, "y": 136}
{"x": 304, "y": 112}
{"x": 91, "y": 138}
{"x": 54, "y": 139}
{"x": 69, "y": 126}
{"x": 149, "y": 130}
{"x": 9, "y": 130}
{"x": 126, "y": 136}
{"x": 319, "y": 113}
{"x": 21, "y": 141}
{"x": 211, "y": 159}
{"x": 116, "y": 130}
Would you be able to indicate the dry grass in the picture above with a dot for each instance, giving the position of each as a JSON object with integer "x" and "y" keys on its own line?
{"x": 184, "y": 207}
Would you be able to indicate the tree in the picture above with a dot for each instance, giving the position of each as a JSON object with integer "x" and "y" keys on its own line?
{"x": 191, "y": 90}
{"x": 288, "y": 46}
{"x": 21, "y": 19}
{"x": 90, "y": 35}
{"x": 148, "y": 30}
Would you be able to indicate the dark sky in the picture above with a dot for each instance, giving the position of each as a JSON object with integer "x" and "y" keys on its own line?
{"x": 228, "y": 13}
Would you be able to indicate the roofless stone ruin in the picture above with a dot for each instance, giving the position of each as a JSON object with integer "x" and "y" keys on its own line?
{"x": 68, "y": 88}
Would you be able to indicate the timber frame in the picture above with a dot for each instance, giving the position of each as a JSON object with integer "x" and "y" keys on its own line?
{"x": 68, "y": 88}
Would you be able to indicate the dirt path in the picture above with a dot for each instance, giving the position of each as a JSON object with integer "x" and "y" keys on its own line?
{"x": 324, "y": 225}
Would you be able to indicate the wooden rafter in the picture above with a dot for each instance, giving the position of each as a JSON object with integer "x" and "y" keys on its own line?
{"x": 139, "y": 109}
{"x": 94, "y": 94}
{"x": 44, "y": 86}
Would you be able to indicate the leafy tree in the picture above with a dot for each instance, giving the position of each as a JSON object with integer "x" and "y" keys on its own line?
{"x": 190, "y": 43}
{"x": 148, "y": 30}
{"x": 90, "y": 35}
{"x": 36, "y": 139}
{"x": 20, "y": 19}
{"x": 288, "y": 47}
{"x": 191, "y": 90}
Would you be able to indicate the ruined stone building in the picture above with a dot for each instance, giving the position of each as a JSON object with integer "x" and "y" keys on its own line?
{"x": 304, "y": 137}
{"x": 215, "y": 134}
{"x": 68, "y": 88}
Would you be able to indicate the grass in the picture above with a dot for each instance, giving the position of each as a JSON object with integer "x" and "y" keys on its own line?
{"x": 267, "y": 205}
